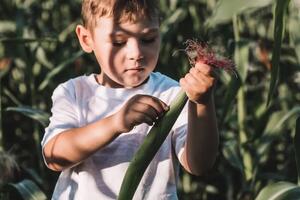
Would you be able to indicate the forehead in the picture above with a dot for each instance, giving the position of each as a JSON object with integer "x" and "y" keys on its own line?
{"x": 109, "y": 25}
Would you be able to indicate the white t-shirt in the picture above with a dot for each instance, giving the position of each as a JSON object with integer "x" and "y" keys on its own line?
{"x": 81, "y": 101}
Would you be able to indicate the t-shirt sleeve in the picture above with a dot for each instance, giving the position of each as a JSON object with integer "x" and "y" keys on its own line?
{"x": 64, "y": 112}
{"x": 180, "y": 132}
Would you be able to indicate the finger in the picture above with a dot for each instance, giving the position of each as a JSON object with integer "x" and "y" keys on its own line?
{"x": 196, "y": 80}
{"x": 183, "y": 84}
{"x": 159, "y": 106}
{"x": 192, "y": 78}
{"x": 186, "y": 87}
{"x": 197, "y": 85}
{"x": 204, "y": 68}
{"x": 164, "y": 105}
{"x": 144, "y": 118}
{"x": 200, "y": 78}
{"x": 139, "y": 116}
{"x": 146, "y": 110}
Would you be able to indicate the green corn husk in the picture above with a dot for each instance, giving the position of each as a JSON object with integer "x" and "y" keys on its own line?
{"x": 150, "y": 146}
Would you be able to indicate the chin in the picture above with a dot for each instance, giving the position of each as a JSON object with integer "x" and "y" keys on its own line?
{"x": 134, "y": 81}
{"x": 134, "y": 84}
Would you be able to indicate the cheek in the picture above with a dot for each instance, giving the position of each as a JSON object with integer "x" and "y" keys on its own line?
{"x": 117, "y": 58}
{"x": 157, "y": 49}
{"x": 109, "y": 56}
{"x": 153, "y": 51}
{"x": 155, "y": 55}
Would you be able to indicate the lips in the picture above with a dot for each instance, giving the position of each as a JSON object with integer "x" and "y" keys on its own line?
{"x": 135, "y": 69}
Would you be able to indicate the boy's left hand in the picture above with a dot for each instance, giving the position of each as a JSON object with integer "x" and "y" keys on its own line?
{"x": 198, "y": 83}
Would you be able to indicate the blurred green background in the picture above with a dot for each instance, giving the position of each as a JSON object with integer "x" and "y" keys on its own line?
{"x": 257, "y": 108}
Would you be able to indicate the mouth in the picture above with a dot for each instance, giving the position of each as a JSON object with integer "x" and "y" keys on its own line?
{"x": 134, "y": 69}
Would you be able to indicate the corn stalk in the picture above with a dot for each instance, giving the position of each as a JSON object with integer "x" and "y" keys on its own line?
{"x": 3, "y": 71}
{"x": 1, "y": 131}
{"x": 241, "y": 105}
{"x": 150, "y": 146}
{"x": 279, "y": 27}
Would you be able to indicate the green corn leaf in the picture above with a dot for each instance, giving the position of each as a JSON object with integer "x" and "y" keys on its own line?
{"x": 293, "y": 25}
{"x": 172, "y": 5}
{"x": 226, "y": 9}
{"x": 277, "y": 122}
{"x": 297, "y": 147}
{"x": 150, "y": 146}
{"x": 232, "y": 156}
{"x": 164, "y": 5}
{"x": 280, "y": 11}
{"x": 36, "y": 114}
{"x": 233, "y": 88}
{"x": 285, "y": 190}
{"x": 195, "y": 17}
{"x": 11, "y": 96}
{"x": 67, "y": 31}
{"x": 279, "y": 191}
{"x": 7, "y": 26}
{"x": 27, "y": 189}
{"x": 178, "y": 15}
{"x": 33, "y": 175}
{"x": 241, "y": 60}
{"x": 27, "y": 40}
{"x": 58, "y": 69}
{"x": 42, "y": 58}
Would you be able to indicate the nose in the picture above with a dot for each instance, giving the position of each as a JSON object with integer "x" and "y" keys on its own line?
{"x": 134, "y": 50}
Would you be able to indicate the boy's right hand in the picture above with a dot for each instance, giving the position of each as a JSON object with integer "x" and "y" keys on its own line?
{"x": 137, "y": 110}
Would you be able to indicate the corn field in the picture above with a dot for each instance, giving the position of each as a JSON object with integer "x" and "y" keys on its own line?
{"x": 258, "y": 108}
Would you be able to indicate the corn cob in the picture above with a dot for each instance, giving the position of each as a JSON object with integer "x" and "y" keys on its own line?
{"x": 150, "y": 146}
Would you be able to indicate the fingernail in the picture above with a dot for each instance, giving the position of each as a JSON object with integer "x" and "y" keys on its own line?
{"x": 167, "y": 108}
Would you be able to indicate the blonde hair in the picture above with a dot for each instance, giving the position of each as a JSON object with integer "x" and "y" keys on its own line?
{"x": 120, "y": 10}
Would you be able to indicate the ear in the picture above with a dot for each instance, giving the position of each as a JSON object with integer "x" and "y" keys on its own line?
{"x": 85, "y": 38}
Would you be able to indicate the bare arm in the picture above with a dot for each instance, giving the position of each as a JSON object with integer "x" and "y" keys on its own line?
{"x": 202, "y": 140}
{"x": 71, "y": 147}
{"x": 74, "y": 145}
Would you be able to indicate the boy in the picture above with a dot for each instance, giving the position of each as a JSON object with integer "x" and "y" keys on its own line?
{"x": 99, "y": 121}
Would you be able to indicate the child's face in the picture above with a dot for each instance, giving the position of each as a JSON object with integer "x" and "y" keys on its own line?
{"x": 127, "y": 52}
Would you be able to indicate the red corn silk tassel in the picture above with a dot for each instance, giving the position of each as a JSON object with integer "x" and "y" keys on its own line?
{"x": 200, "y": 52}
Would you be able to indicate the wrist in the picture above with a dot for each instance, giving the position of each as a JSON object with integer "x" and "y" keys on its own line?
{"x": 203, "y": 108}
{"x": 115, "y": 124}
{"x": 206, "y": 99}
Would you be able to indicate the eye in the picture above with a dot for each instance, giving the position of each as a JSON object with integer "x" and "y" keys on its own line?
{"x": 148, "y": 40}
{"x": 118, "y": 43}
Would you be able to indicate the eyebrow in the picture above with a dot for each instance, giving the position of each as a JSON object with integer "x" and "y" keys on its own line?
{"x": 151, "y": 30}
{"x": 124, "y": 32}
